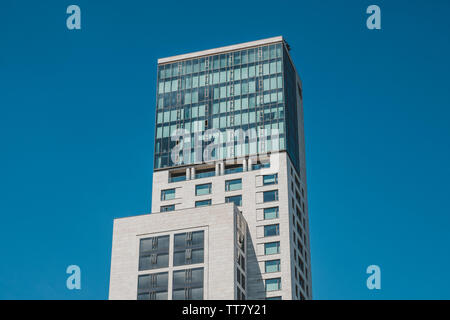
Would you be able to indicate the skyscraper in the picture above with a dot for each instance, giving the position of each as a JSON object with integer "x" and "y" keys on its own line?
{"x": 229, "y": 207}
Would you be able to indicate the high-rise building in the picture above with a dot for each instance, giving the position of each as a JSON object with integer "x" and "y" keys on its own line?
{"x": 229, "y": 207}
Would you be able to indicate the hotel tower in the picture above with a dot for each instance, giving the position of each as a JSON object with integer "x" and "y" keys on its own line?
{"x": 229, "y": 217}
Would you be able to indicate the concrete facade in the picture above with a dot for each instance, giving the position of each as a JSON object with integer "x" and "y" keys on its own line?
{"x": 220, "y": 226}
{"x": 293, "y": 223}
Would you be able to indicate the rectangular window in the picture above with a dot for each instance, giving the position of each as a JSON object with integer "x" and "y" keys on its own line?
{"x": 202, "y": 189}
{"x": 271, "y": 213}
{"x": 273, "y": 284}
{"x": 153, "y": 286}
{"x": 188, "y": 284}
{"x": 273, "y": 298}
{"x": 188, "y": 248}
{"x": 203, "y": 203}
{"x": 168, "y": 194}
{"x": 272, "y": 266}
{"x": 154, "y": 253}
{"x": 272, "y": 248}
{"x": 270, "y": 179}
{"x": 272, "y": 230}
{"x": 167, "y": 208}
{"x": 232, "y": 185}
{"x": 237, "y": 200}
{"x": 270, "y": 196}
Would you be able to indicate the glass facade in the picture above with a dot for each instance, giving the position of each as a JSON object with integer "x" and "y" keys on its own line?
{"x": 290, "y": 91}
{"x": 242, "y": 89}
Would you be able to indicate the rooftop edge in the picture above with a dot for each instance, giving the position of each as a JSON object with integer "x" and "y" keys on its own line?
{"x": 220, "y": 49}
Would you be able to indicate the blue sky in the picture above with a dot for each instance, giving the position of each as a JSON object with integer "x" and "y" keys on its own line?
{"x": 76, "y": 134}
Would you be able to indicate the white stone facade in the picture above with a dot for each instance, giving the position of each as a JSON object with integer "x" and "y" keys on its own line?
{"x": 219, "y": 223}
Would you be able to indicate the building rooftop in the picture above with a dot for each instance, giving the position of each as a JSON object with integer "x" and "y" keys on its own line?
{"x": 220, "y": 50}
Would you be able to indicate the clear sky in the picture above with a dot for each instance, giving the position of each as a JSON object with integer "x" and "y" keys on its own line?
{"x": 77, "y": 125}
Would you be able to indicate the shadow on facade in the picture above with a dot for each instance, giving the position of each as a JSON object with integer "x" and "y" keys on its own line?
{"x": 255, "y": 283}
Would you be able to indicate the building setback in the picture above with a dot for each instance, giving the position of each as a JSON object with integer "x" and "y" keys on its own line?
{"x": 245, "y": 100}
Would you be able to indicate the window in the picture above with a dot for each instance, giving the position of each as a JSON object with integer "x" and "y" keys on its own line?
{"x": 271, "y": 230}
{"x": 260, "y": 166}
{"x": 271, "y": 213}
{"x": 188, "y": 284}
{"x": 270, "y": 179}
{"x": 270, "y": 196}
{"x": 272, "y": 266}
{"x": 154, "y": 253}
{"x": 167, "y": 208}
{"x": 273, "y": 284}
{"x": 168, "y": 194}
{"x": 203, "y": 203}
{"x": 274, "y": 298}
{"x": 153, "y": 286}
{"x": 232, "y": 185}
{"x": 237, "y": 200}
{"x": 272, "y": 248}
{"x": 202, "y": 189}
{"x": 188, "y": 248}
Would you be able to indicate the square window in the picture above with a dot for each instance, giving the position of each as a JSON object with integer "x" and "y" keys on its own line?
{"x": 273, "y": 284}
{"x": 272, "y": 248}
{"x": 271, "y": 230}
{"x": 272, "y": 266}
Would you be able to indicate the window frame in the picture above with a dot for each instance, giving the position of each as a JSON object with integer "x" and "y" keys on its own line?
{"x": 275, "y": 191}
{"x": 209, "y": 185}
{"x": 170, "y": 206}
{"x": 227, "y": 189}
{"x": 207, "y": 201}
{"x": 277, "y": 228}
{"x": 277, "y": 214}
{"x": 275, "y": 179}
{"x": 164, "y": 194}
